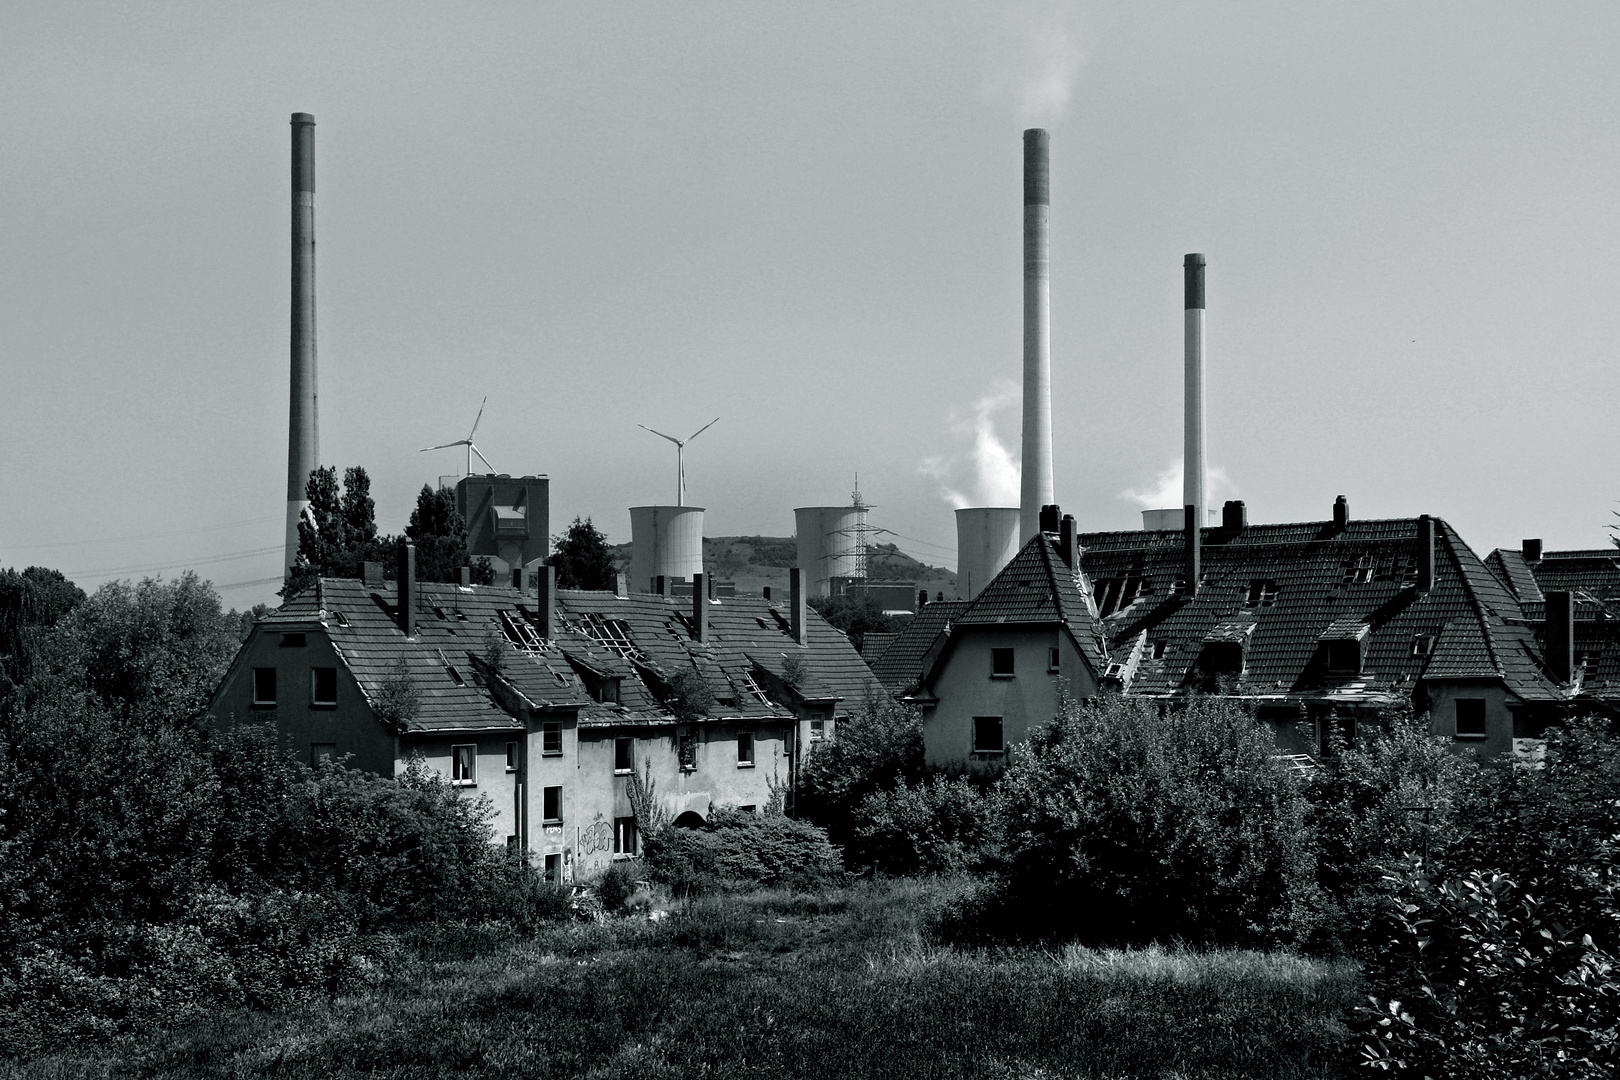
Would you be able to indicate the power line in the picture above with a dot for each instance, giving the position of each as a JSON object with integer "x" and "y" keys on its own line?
{"x": 247, "y": 584}
{"x": 143, "y": 536}
{"x": 183, "y": 565}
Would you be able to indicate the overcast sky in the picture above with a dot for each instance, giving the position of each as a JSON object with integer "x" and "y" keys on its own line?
{"x": 804, "y": 220}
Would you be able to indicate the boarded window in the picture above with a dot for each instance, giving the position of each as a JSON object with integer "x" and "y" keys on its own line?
{"x": 987, "y": 735}
{"x": 264, "y": 686}
{"x": 551, "y": 805}
{"x": 323, "y": 685}
{"x": 551, "y": 737}
{"x": 1470, "y": 716}
{"x": 745, "y": 749}
{"x": 1001, "y": 661}
{"x": 464, "y": 764}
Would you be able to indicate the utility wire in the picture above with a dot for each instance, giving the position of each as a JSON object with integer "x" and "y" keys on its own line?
{"x": 183, "y": 565}
{"x": 246, "y": 584}
{"x": 143, "y": 536}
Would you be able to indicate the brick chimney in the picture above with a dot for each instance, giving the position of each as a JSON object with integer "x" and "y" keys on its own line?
{"x": 1049, "y": 518}
{"x": 405, "y": 582}
{"x": 1341, "y": 514}
{"x": 517, "y": 578}
{"x": 1234, "y": 516}
{"x": 1425, "y": 580}
{"x": 700, "y": 607}
{"x": 621, "y": 585}
{"x": 545, "y": 601}
{"x": 799, "y": 619}
{"x": 1531, "y": 550}
{"x": 466, "y": 577}
{"x": 1068, "y": 543}
{"x": 371, "y": 574}
{"x": 1559, "y": 634}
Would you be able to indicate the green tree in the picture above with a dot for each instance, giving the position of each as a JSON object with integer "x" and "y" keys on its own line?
{"x": 440, "y": 536}
{"x": 31, "y": 604}
{"x": 582, "y": 558}
{"x": 879, "y": 748}
{"x": 339, "y": 533}
{"x": 857, "y": 614}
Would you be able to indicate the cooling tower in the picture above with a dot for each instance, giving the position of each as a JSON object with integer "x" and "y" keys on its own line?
{"x": 830, "y": 540}
{"x": 665, "y": 541}
{"x": 986, "y": 541}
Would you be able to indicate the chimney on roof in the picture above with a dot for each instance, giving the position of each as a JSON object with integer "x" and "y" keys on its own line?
{"x": 1425, "y": 580}
{"x": 1341, "y": 514}
{"x": 1193, "y": 322}
{"x": 465, "y": 577}
{"x": 1559, "y": 635}
{"x": 1049, "y": 518}
{"x": 371, "y": 574}
{"x": 1234, "y": 516}
{"x": 799, "y": 618}
{"x": 545, "y": 600}
{"x": 661, "y": 585}
{"x": 517, "y": 578}
{"x": 405, "y": 582}
{"x": 621, "y": 585}
{"x": 1531, "y": 549}
{"x": 700, "y": 607}
{"x": 922, "y": 598}
{"x": 766, "y": 592}
{"x": 1193, "y": 538}
{"x": 1035, "y": 480}
{"x": 1068, "y": 543}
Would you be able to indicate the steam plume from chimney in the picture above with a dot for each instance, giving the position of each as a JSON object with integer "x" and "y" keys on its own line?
{"x": 1035, "y": 488}
{"x": 303, "y": 427}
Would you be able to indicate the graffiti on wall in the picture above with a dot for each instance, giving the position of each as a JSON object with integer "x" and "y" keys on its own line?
{"x": 596, "y": 837}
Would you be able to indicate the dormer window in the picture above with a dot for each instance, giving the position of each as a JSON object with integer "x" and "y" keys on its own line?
{"x": 1422, "y": 644}
{"x": 1221, "y": 658}
{"x": 1343, "y": 657}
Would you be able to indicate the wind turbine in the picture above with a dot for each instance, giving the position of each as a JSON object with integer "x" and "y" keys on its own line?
{"x": 680, "y": 446}
{"x": 467, "y": 442}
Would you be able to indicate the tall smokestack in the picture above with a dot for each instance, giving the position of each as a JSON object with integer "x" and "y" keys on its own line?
{"x": 303, "y": 428}
{"x": 1193, "y": 455}
{"x": 1035, "y": 490}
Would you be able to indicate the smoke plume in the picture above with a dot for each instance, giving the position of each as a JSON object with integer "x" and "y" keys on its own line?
{"x": 986, "y": 472}
{"x": 1037, "y": 63}
{"x": 1165, "y": 491}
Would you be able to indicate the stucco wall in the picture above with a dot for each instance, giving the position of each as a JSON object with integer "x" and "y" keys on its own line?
{"x": 1498, "y": 737}
{"x": 490, "y": 779}
{"x": 966, "y": 688}
{"x": 350, "y": 725}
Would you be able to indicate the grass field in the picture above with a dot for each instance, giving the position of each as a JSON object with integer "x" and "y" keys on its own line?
{"x": 832, "y": 985}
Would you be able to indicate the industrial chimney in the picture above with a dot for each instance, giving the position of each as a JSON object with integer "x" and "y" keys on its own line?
{"x": 303, "y": 428}
{"x": 1193, "y": 455}
{"x": 1035, "y": 486}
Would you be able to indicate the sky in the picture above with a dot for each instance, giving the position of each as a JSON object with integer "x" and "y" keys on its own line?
{"x": 805, "y": 221}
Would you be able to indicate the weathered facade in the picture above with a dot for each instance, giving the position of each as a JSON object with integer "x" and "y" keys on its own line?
{"x": 552, "y": 703}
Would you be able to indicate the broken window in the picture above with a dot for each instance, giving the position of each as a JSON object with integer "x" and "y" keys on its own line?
{"x": 551, "y": 805}
{"x": 323, "y": 686}
{"x": 745, "y": 749}
{"x": 464, "y": 764}
{"x": 551, "y": 737}
{"x": 624, "y": 755}
{"x": 688, "y": 751}
{"x": 624, "y": 836}
{"x": 1053, "y": 659}
{"x": 818, "y": 730}
{"x": 1262, "y": 593}
{"x": 1470, "y": 716}
{"x": 613, "y": 635}
{"x": 1343, "y": 657}
{"x": 987, "y": 735}
{"x": 1358, "y": 572}
{"x": 511, "y": 757}
{"x": 1159, "y": 648}
{"x": 1221, "y": 658}
{"x": 1422, "y": 644}
{"x": 292, "y": 641}
{"x": 1001, "y": 662}
{"x": 264, "y": 686}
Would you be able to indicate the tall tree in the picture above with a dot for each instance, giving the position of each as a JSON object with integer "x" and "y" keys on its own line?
{"x": 582, "y": 558}
{"x": 440, "y": 536}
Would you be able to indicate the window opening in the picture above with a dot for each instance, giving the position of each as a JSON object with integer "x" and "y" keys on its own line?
{"x": 511, "y": 757}
{"x": 292, "y": 641}
{"x": 1422, "y": 644}
{"x": 613, "y": 635}
{"x": 818, "y": 730}
{"x": 264, "y": 686}
{"x": 745, "y": 749}
{"x": 624, "y": 755}
{"x": 342, "y": 620}
{"x": 624, "y": 836}
{"x": 1262, "y": 593}
{"x": 551, "y": 737}
{"x": 1470, "y": 716}
{"x": 1001, "y": 662}
{"x": 323, "y": 686}
{"x": 551, "y": 805}
{"x": 1343, "y": 656}
{"x": 987, "y": 735}
{"x": 1053, "y": 659}
{"x": 464, "y": 764}
{"x": 321, "y": 751}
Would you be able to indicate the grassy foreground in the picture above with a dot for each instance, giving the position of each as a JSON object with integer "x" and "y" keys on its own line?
{"x": 837, "y": 984}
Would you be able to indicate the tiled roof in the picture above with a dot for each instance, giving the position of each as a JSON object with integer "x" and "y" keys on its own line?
{"x": 1513, "y": 571}
{"x": 901, "y": 664}
{"x": 1593, "y": 577}
{"x": 454, "y": 626}
{"x": 1037, "y": 586}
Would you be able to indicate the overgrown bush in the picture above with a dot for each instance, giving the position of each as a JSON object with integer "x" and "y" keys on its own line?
{"x": 616, "y": 885}
{"x": 736, "y": 849}
{"x": 1127, "y": 822}
{"x": 940, "y": 825}
{"x": 877, "y": 749}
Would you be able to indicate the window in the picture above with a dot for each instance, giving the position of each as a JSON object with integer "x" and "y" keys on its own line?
{"x": 987, "y": 735}
{"x": 292, "y": 641}
{"x": 818, "y": 730}
{"x": 1359, "y": 572}
{"x": 607, "y": 691}
{"x": 624, "y": 755}
{"x": 745, "y": 749}
{"x": 1221, "y": 658}
{"x": 551, "y": 737}
{"x": 1158, "y": 649}
{"x": 624, "y": 836}
{"x": 264, "y": 686}
{"x": 511, "y": 757}
{"x": 1422, "y": 644}
{"x": 688, "y": 751}
{"x": 1343, "y": 656}
{"x": 1471, "y": 717}
{"x": 1262, "y": 593}
{"x": 551, "y": 805}
{"x": 1053, "y": 659}
{"x": 455, "y": 676}
{"x": 321, "y": 751}
{"x": 1001, "y": 663}
{"x": 748, "y": 808}
{"x": 464, "y": 764}
{"x": 323, "y": 686}
{"x": 554, "y": 868}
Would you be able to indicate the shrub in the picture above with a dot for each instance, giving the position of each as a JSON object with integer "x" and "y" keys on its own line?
{"x": 616, "y": 885}
{"x": 878, "y": 748}
{"x": 939, "y": 825}
{"x": 736, "y": 849}
{"x": 1130, "y": 821}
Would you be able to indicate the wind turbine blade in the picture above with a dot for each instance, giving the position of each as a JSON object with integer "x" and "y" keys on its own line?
{"x": 480, "y": 416}
{"x": 443, "y": 446}
{"x": 661, "y": 435}
{"x": 481, "y": 456}
{"x": 702, "y": 429}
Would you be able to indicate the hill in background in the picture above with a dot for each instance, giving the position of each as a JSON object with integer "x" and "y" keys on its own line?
{"x": 754, "y": 562}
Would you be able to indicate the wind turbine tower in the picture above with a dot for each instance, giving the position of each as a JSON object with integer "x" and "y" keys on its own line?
{"x": 472, "y": 448}
{"x": 680, "y": 449}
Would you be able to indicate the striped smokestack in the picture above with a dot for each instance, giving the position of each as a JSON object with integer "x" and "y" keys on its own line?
{"x": 1035, "y": 490}
{"x": 1193, "y": 457}
{"x": 303, "y": 429}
